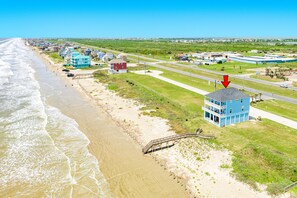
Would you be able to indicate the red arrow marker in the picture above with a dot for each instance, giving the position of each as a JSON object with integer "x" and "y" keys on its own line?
{"x": 225, "y": 82}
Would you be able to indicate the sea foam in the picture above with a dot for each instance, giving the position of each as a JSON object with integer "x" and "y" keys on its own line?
{"x": 42, "y": 151}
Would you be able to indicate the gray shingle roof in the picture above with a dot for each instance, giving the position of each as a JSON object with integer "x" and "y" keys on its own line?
{"x": 227, "y": 94}
{"x": 117, "y": 61}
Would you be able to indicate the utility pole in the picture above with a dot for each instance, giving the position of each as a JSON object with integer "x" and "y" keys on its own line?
{"x": 137, "y": 56}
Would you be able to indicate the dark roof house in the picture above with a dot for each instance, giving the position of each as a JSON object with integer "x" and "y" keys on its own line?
{"x": 227, "y": 94}
{"x": 226, "y": 107}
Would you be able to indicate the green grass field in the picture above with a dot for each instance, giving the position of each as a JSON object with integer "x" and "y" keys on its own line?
{"x": 243, "y": 83}
{"x": 135, "y": 46}
{"x": 136, "y": 58}
{"x": 163, "y": 48}
{"x": 281, "y": 108}
{"x": 234, "y": 67}
{"x": 267, "y": 78}
{"x": 252, "y": 54}
{"x": 264, "y": 152}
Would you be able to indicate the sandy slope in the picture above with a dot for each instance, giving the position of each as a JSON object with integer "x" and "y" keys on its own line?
{"x": 205, "y": 176}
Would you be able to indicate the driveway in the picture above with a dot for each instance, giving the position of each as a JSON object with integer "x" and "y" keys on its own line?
{"x": 253, "y": 111}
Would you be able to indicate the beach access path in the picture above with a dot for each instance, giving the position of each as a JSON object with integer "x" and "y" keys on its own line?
{"x": 254, "y": 112}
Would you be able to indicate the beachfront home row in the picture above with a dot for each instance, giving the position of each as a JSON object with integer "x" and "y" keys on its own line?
{"x": 80, "y": 61}
{"x": 226, "y": 106}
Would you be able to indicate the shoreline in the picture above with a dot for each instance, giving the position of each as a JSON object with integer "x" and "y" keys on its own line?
{"x": 140, "y": 176}
{"x": 197, "y": 177}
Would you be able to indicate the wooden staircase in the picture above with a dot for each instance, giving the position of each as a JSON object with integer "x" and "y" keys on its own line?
{"x": 169, "y": 141}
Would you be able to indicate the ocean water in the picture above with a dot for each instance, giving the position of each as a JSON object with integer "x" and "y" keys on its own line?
{"x": 42, "y": 151}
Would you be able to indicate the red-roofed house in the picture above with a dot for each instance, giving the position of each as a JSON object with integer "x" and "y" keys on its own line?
{"x": 117, "y": 66}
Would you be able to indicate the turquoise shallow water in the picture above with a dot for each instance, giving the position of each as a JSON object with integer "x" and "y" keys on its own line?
{"x": 42, "y": 151}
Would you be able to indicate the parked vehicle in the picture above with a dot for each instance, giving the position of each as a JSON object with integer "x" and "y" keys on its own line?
{"x": 65, "y": 70}
{"x": 284, "y": 85}
{"x": 70, "y": 75}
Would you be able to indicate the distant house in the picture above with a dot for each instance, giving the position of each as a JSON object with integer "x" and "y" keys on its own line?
{"x": 226, "y": 106}
{"x": 254, "y": 51}
{"x": 215, "y": 55}
{"x": 122, "y": 56}
{"x": 88, "y": 52}
{"x": 117, "y": 66}
{"x": 107, "y": 57}
{"x": 80, "y": 61}
{"x": 53, "y": 48}
{"x": 74, "y": 54}
{"x": 66, "y": 52}
{"x": 94, "y": 54}
{"x": 100, "y": 55}
{"x": 182, "y": 57}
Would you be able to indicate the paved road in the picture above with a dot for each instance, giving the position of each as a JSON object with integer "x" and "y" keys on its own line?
{"x": 209, "y": 71}
{"x": 218, "y": 73}
{"x": 199, "y": 69}
{"x": 253, "y": 111}
{"x": 266, "y": 95}
{"x": 233, "y": 75}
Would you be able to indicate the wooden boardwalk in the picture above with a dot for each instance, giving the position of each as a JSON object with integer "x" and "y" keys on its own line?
{"x": 83, "y": 76}
{"x": 169, "y": 141}
{"x": 290, "y": 186}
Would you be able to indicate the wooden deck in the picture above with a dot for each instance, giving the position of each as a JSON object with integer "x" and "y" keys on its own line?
{"x": 169, "y": 141}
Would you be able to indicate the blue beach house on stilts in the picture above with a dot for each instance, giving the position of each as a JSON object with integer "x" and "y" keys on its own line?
{"x": 80, "y": 61}
{"x": 226, "y": 106}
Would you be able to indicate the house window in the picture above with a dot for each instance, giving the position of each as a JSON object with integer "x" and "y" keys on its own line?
{"x": 230, "y": 110}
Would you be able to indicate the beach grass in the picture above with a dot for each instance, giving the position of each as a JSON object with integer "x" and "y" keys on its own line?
{"x": 55, "y": 57}
{"x": 264, "y": 152}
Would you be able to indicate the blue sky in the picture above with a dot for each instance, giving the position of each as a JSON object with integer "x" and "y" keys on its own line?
{"x": 129, "y": 18}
